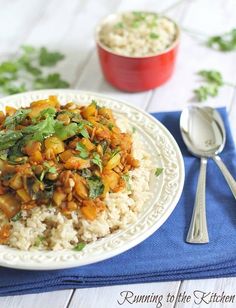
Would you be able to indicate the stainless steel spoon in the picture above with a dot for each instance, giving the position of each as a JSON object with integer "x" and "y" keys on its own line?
{"x": 204, "y": 134}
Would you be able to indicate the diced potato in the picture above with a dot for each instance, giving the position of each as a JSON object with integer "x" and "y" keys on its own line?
{"x": 90, "y": 110}
{"x": 24, "y": 196}
{"x": 110, "y": 178}
{"x": 37, "y": 106}
{"x": 88, "y": 144}
{"x": 113, "y": 162}
{"x": 10, "y": 110}
{"x": 16, "y": 182}
{"x": 77, "y": 163}
{"x": 72, "y": 206}
{"x": 49, "y": 154}
{"x": 5, "y": 233}
{"x": 9, "y": 205}
{"x": 130, "y": 160}
{"x": 103, "y": 133}
{"x": 59, "y": 197}
{"x": 100, "y": 150}
{"x": 36, "y": 157}
{"x": 81, "y": 189}
{"x": 105, "y": 112}
{"x": 55, "y": 144}
{"x": 31, "y": 147}
{"x": 2, "y": 190}
{"x": 2, "y": 117}
{"x": 88, "y": 209}
{"x": 66, "y": 155}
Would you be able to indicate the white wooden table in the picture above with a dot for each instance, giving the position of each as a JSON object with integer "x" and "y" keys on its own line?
{"x": 69, "y": 27}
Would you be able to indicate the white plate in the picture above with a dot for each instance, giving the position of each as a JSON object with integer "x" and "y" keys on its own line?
{"x": 166, "y": 188}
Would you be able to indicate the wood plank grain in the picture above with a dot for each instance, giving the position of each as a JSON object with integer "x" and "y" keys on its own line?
{"x": 57, "y": 299}
{"x": 16, "y": 22}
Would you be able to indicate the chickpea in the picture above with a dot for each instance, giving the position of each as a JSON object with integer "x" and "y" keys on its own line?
{"x": 71, "y": 205}
{"x": 38, "y": 169}
{"x": 64, "y": 118}
{"x": 52, "y": 176}
{"x": 70, "y": 106}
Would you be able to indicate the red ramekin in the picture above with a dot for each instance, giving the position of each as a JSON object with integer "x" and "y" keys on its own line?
{"x": 136, "y": 74}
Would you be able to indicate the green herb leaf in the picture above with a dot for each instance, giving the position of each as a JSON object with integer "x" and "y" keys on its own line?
{"x": 86, "y": 173}
{"x": 84, "y": 133}
{"x": 212, "y": 76}
{"x": 97, "y": 160}
{"x": 41, "y": 130}
{"x": 96, "y": 187}
{"x": 28, "y": 49}
{"x": 50, "y": 169}
{"x": 203, "y": 92}
{"x": 49, "y": 112}
{"x": 16, "y": 160}
{"x": 13, "y": 89}
{"x": 42, "y": 175}
{"x": 104, "y": 145}
{"x": 79, "y": 246}
{"x": 27, "y": 68}
{"x": 126, "y": 178}
{"x": 133, "y": 130}
{"x": 3, "y": 154}
{"x": 110, "y": 126}
{"x": 82, "y": 130}
{"x": 115, "y": 151}
{"x": 153, "y": 36}
{"x": 8, "y": 67}
{"x": 119, "y": 25}
{"x": 16, "y": 118}
{"x": 50, "y": 81}
{"x": 17, "y": 217}
{"x": 33, "y": 70}
{"x": 39, "y": 240}
{"x": 83, "y": 150}
{"x": 47, "y": 58}
{"x": 9, "y": 138}
{"x": 225, "y": 42}
{"x": 158, "y": 171}
{"x": 64, "y": 132}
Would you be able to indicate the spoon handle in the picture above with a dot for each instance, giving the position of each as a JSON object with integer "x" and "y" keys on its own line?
{"x": 198, "y": 233}
{"x": 225, "y": 171}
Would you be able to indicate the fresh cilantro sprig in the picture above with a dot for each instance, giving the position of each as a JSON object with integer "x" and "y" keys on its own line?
{"x": 26, "y": 71}
{"x": 96, "y": 160}
{"x": 126, "y": 178}
{"x": 212, "y": 82}
{"x": 222, "y": 42}
{"x": 96, "y": 186}
{"x": 225, "y": 42}
{"x": 17, "y": 217}
{"x": 16, "y": 118}
{"x": 82, "y": 149}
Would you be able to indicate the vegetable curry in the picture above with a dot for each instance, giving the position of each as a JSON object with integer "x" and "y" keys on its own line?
{"x": 66, "y": 156}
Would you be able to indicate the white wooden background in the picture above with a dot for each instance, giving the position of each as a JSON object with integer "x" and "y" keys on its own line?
{"x": 68, "y": 25}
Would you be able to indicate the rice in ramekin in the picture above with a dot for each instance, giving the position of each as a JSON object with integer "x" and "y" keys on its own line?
{"x": 138, "y": 34}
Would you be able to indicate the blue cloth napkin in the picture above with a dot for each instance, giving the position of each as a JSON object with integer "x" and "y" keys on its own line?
{"x": 164, "y": 255}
